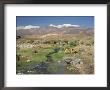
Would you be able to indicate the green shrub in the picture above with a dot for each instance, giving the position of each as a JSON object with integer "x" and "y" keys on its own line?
{"x": 73, "y": 43}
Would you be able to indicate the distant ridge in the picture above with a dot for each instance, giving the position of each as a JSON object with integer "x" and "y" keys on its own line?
{"x": 54, "y": 30}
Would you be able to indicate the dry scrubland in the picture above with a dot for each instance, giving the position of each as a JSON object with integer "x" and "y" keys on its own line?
{"x": 55, "y": 54}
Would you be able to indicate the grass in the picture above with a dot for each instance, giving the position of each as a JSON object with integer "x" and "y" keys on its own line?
{"x": 58, "y": 56}
{"x": 84, "y": 46}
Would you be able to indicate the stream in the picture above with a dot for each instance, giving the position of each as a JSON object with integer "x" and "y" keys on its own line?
{"x": 48, "y": 67}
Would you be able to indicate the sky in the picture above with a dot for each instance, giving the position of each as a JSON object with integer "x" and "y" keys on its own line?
{"x": 83, "y": 21}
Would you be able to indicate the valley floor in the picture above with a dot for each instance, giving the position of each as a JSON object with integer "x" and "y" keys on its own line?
{"x": 63, "y": 54}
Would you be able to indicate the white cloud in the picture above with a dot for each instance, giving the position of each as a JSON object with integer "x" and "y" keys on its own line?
{"x": 27, "y": 27}
{"x": 20, "y": 27}
{"x": 58, "y": 26}
{"x": 64, "y": 25}
{"x": 52, "y": 25}
{"x": 70, "y": 25}
{"x": 31, "y": 26}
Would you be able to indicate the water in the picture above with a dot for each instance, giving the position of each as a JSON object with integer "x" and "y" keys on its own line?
{"x": 48, "y": 67}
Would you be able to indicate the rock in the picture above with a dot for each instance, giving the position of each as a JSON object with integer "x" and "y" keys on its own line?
{"x": 59, "y": 61}
{"x": 72, "y": 60}
{"x": 19, "y": 73}
{"x": 76, "y": 61}
{"x": 28, "y": 61}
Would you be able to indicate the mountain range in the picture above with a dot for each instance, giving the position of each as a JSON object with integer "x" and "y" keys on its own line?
{"x": 54, "y": 30}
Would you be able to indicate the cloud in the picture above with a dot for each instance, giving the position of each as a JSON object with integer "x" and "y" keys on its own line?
{"x": 64, "y": 25}
{"x": 57, "y": 26}
{"x": 52, "y": 25}
{"x": 31, "y": 26}
{"x": 27, "y": 27}
{"x": 20, "y": 27}
{"x": 70, "y": 25}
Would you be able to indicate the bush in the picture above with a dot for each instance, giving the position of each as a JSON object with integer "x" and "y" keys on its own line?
{"x": 18, "y": 57}
{"x": 73, "y": 43}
